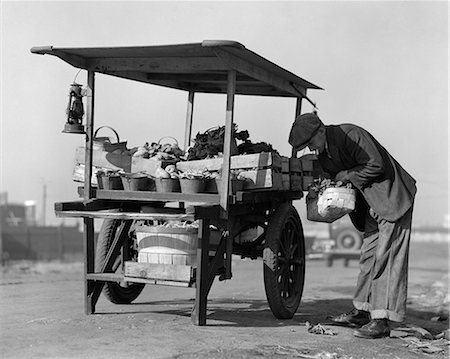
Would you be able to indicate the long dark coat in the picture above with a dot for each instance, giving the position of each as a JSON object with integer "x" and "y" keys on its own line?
{"x": 386, "y": 187}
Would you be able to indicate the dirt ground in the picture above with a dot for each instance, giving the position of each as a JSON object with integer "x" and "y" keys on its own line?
{"x": 42, "y": 315}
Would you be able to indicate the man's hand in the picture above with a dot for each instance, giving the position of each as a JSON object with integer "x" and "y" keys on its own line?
{"x": 342, "y": 176}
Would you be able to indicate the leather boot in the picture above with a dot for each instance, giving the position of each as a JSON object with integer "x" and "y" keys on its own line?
{"x": 377, "y": 328}
{"x": 354, "y": 318}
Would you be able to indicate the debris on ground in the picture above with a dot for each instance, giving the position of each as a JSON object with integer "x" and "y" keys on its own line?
{"x": 276, "y": 350}
{"x": 444, "y": 335}
{"x": 409, "y": 331}
{"x": 318, "y": 329}
{"x": 426, "y": 346}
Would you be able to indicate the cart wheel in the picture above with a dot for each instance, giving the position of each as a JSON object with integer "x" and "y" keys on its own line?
{"x": 284, "y": 261}
{"x": 114, "y": 292}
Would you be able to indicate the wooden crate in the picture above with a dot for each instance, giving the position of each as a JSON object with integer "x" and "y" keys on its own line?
{"x": 256, "y": 160}
{"x": 148, "y": 165}
{"x": 112, "y": 161}
{"x": 103, "y": 159}
{"x": 263, "y": 170}
{"x": 160, "y": 273}
{"x": 167, "y": 245}
{"x": 78, "y": 174}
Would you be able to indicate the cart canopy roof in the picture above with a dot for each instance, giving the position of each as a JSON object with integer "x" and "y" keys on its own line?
{"x": 198, "y": 67}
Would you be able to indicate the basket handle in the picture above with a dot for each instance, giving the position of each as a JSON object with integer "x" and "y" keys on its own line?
{"x": 112, "y": 129}
{"x": 173, "y": 138}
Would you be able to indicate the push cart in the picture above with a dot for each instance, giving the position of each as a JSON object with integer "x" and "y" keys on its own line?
{"x": 219, "y": 67}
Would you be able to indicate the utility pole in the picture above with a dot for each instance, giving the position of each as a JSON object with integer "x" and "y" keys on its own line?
{"x": 44, "y": 201}
{"x": 3, "y": 204}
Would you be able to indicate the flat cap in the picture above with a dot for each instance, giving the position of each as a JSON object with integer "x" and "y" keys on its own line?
{"x": 304, "y": 128}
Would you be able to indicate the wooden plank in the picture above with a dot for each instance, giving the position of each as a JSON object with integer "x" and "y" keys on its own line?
{"x": 158, "y": 196}
{"x": 105, "y": 277}
{"x": 157, "y": 64}
{"x": 78, "y": 174}
{"x": 171, "y": 283}
{"x": 301, "y": 164}
{"x": 267, "y": 196}
{"x": 83, "y": 205}
{"x": 148, "y": 165}
{"x": 255, "y": 160}
{"x": 90, "y": 288}
{"x": 189, "y": 117}
{"x": 99, "y": 204}
{"x": 105, "y": 159}
{"x": 124, "y": 215}
{"x": 262, "y": 178}
{"x": 307, "y": 181}
{"x": 224, "y": 191}
{"x": 259, "y": 73}
{"x": 173, "y": 272}
{"x": 286, "y": 180}
{"x": 203, "y": 275}
{"x": 301, "y": 183}
{"x": 285, "y": 164}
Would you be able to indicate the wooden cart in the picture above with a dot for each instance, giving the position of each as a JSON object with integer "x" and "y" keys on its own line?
{"x": 225, "y": 67}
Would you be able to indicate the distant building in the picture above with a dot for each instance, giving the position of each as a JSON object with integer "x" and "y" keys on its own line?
{"x": 22, "y": 238}
{"x": 17, "y": 214}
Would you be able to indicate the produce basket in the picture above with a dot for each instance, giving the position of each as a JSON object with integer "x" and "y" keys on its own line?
{"x": 109, "y": 180}
{"x": 194, "y": 185}
{"x": 167, "y": 185}
{"x": 137, "y": 182}
{"x": 330, "y": 204}
{"x": 104, "y": 143}
{"x": 167, "y": 245}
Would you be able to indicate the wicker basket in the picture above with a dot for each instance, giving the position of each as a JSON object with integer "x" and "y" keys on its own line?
{"x": 137, "y": 182}
{"x": 332, "y": 204}
{"x": 167, "y": 245}
{"x": 105, "y": 144}
{"x": 167, "y": 185}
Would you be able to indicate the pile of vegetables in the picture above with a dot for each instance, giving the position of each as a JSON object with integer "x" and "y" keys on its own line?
{"x": 320, "y": 185}
{"x": 191, "y": 174}
{"x": 165, "y": 151}
{"x": 249, "y": 147}
{"x": 170, "y": 171}
{"x": 210, "y": 144}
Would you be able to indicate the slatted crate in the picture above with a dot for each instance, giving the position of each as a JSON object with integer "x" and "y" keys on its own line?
{"x": 265, "y": 170}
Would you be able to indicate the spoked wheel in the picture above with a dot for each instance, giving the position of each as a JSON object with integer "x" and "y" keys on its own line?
{"x": 284, "y": 262}
{"x": 118, "y": 293}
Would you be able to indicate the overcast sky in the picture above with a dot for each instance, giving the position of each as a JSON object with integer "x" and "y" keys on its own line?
{"x": 383, "y": 66}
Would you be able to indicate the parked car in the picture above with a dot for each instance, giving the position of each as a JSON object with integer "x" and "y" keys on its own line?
{"x": 345, "y": 235}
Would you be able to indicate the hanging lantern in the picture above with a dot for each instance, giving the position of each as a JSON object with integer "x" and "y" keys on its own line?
{"x": 75, "y": 110}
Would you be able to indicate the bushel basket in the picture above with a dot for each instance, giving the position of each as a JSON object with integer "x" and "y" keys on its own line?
{"x": 105, "y": 144}
{"x": 330, "y": 205}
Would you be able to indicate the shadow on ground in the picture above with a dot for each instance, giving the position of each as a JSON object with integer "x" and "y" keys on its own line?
{"x": 256, "y": 313}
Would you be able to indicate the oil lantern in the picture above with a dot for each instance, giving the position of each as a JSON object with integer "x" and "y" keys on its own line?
{"x": 75, "y": 110}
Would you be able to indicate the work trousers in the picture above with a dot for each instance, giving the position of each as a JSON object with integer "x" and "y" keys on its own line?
{"x": 382, "y": 283}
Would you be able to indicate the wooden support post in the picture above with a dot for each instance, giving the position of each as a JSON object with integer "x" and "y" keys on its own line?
{"x": 88, "y": 234}
{"x": 189, "y": 117}
{"x": 89, "y": 136}
{"x": 225, "y": 183}
{"x": 298, "y": 111}
{"x": 113, "y": 252}
{"x": 202, "y": 287}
